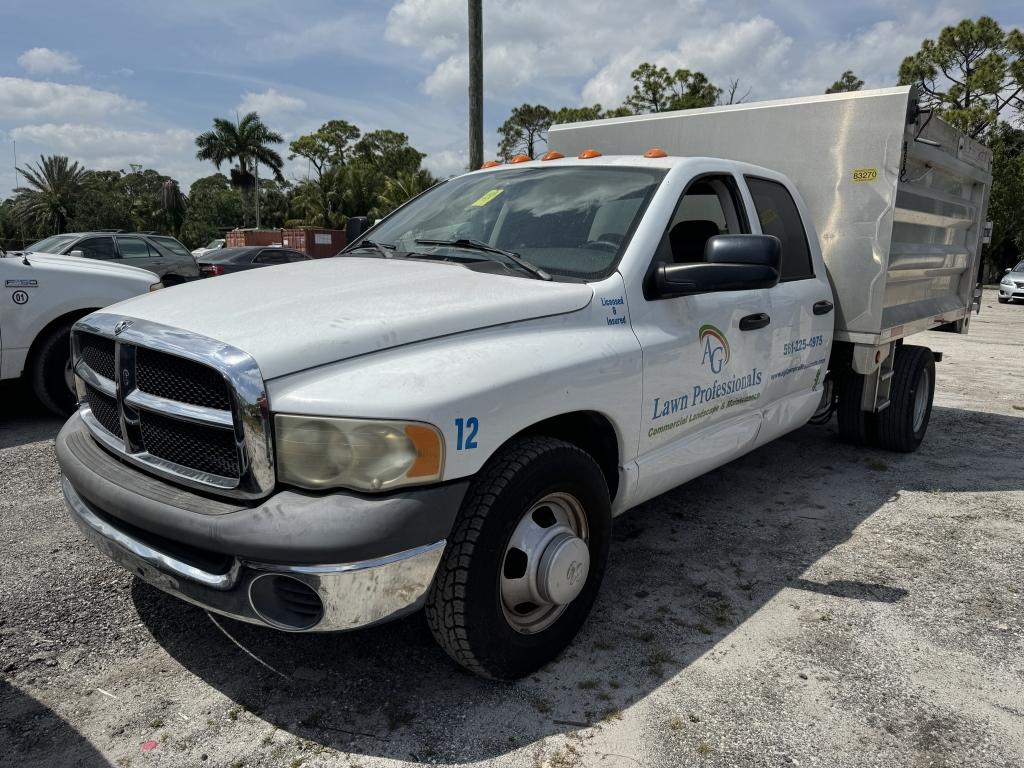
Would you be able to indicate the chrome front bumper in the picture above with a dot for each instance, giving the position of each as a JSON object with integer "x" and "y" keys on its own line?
{"x": 351, "y": 595}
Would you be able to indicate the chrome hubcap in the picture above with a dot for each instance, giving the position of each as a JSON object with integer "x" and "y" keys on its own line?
{"x": 546, "y": 563}
{"x": 921, "y": 399}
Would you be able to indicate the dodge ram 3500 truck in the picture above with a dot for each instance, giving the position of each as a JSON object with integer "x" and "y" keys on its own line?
{"x": 450, "y": 413}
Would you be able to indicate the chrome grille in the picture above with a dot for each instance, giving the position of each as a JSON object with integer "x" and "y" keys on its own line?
{"x": 181, "y": 405}
{"x": 208, "y": 449}
{"x": 181, "y": 380}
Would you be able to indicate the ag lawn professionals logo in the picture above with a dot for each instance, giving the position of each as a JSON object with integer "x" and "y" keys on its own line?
{"x": 715, "y": 348}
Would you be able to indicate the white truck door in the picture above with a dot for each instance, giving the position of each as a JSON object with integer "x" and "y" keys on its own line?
{"x": 705, "y": 356}
{"x": 801, "y": 309}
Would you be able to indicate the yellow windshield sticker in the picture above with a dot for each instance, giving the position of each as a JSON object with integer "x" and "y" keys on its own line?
{"x": 486, "y": 197}
{"x": 861, "y": 175}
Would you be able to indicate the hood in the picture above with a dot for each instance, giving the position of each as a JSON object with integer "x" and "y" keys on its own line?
{"x": 80, "y": 264}
{"x": 297, "y": 316}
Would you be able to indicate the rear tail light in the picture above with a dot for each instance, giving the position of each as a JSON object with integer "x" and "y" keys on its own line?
{"x": 211, "y": 270}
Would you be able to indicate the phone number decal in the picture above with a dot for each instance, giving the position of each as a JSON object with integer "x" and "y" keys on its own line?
{"x": 799, "y": 345}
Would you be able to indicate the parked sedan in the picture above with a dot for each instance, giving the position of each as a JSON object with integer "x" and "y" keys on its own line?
{"x": 227, "y": 260}
{"x": 213, "y": 245}
{"x": 161, "y": 254}
{"x": 1012, "y": 285}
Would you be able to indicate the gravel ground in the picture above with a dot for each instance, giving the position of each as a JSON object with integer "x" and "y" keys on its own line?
{"x": 809, "y": 604}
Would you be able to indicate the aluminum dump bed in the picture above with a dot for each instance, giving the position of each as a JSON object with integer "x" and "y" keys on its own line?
{"x": 898, "y": 197}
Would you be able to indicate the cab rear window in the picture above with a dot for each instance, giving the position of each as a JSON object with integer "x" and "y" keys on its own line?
{"x": 779, "y": 216}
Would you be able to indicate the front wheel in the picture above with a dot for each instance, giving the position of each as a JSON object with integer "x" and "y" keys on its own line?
{"x": 525, "y": 559}
{"x": 1003, "y": 300}
{"x": 50, "y": 371}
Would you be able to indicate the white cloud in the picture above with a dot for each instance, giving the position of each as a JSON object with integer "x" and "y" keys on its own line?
{"x": 270, "y": 102}
{"x": 447, "y": 162}
{"x": 24, "y": 100}
{"x": 46, "y": 61}
{"x": 109, "y": 148}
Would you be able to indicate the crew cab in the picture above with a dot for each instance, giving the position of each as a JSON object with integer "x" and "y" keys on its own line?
{"x": 43, "y": 296}
{"x": 450, "y": 413}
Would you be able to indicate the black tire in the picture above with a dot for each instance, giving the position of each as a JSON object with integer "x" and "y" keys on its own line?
{"x": 1002, "y": 300}
{"x": 913, "y": 368}
{"x": 46, "y": 370}
{"x": 463, "y": 607}
{"x": 169, "y": 280}
{"x": 856, "y": 426}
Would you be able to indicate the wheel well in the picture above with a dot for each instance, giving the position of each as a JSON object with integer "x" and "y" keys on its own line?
{"x": 67, "y": 317}
{"x": 589, "y": 431}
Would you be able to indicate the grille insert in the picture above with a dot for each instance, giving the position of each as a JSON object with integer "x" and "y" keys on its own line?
{"x": 206, "y": 449}
{"x": 176, "y": 378}
{"x": 104, "y": 409}
{"x": 98, "y": 353}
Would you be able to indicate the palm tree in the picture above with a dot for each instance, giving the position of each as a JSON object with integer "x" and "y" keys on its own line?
{"x": 248, "y": 142}
{"x": 172, "y": 203}
{"x": 402, "y": 187}
{"x": 47, "y": 203}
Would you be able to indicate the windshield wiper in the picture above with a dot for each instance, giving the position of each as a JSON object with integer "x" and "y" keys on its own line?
{"x": 476, "y": 245}
{"x": 384, "y": 249}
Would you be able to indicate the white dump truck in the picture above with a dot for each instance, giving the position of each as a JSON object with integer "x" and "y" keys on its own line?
{"x": 43, "y": 296}
{"x": 450, "y": 413}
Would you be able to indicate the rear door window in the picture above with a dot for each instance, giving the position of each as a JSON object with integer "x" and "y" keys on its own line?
{"x": 133, "y": 248}
{"x": 271, "y": 257}
{"x": 173, "y": 246}
{"x": 779, "y": 216}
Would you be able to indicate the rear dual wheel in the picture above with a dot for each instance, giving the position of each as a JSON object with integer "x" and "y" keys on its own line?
{"x": 525, "y": 559}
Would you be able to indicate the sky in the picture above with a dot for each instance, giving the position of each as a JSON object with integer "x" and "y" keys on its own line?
{"x": 134, "y": 81}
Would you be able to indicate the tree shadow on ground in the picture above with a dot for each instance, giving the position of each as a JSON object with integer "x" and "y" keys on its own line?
{"x": 686, "y": 569}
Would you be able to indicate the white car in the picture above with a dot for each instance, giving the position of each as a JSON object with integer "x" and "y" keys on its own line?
{"x": 43, "y": 296}
{"x": 449, "y": 413}
{"x": 213, "y": 245}
{"x": 1012, "y": 285}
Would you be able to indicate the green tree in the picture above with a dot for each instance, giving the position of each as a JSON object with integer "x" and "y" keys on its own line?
{"x": 582, "y": 114}
{"x": 213, "y": 208}
{"x": 655, "y": 89}
{"x": 102, "y": 204}
{"x": 47, "y": 203}
{"x": 388, "y": 152}
{"x": 972, "y": 74}
{"x": 846, "y": 82}
{"x": 173, "y": 203}
{"x": 1006, "y": 202}
{"x": 524, "y": 129}
{"x": 249, "y": 143}
{"x": 398, "y": 189}
{"x": 326, "y": 147}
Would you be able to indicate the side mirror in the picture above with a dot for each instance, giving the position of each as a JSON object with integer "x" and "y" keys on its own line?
{"x": 355, "y": 227}
{"x": 76, "y": 252}
{"x": 1008, "y": 270}
{"x": 731, "y": 263}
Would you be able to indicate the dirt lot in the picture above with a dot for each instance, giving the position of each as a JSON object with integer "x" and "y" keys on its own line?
{"x": 810, "y": 604}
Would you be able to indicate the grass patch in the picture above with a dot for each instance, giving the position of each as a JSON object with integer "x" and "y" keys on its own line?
{"x": 156, "y": 722}
{"x": 703, "y": 748}
{"x": 542, "y": 705}
{"x": 876, "y": 464}
{"x": 587, "y": 685}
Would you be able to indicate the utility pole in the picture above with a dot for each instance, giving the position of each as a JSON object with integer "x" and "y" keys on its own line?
{"x": 257, "y": 194}
{"x": 476, "y": 85}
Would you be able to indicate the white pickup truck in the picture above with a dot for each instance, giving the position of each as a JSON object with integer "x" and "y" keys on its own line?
{"x": 450, "y": 414}
{"x": 43, "y": 296}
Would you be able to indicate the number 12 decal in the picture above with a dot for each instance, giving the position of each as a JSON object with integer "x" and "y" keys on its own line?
{"x": 467, "y": 429}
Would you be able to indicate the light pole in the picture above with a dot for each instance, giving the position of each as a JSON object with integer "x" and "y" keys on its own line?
{"x": 476, "y": 85}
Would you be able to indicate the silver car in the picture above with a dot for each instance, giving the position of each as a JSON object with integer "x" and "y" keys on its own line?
{"x": 1012, "y": 285}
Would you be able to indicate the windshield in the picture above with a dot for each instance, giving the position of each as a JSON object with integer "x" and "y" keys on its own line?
{"x": 1019, "y": 267}
{"x": 572, "y": 221}
{"x": 51, "y": 244}
{"x": 214, "y": 244}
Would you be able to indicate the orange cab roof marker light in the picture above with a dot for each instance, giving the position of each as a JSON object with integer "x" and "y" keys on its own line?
{"x": 588, "y": 154}
{"x": 552, "y": 155}
{"x": 490, "y": 164}
{"x": 521, "y": 159}
{"x": 655, "y": 152}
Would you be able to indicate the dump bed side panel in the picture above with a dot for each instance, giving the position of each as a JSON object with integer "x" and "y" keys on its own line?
{"x": 845, "y": 153}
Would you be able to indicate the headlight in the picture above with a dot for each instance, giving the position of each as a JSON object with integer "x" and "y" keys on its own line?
{"x": 315, "y": 452}
{"x": 1006, "y": 281}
